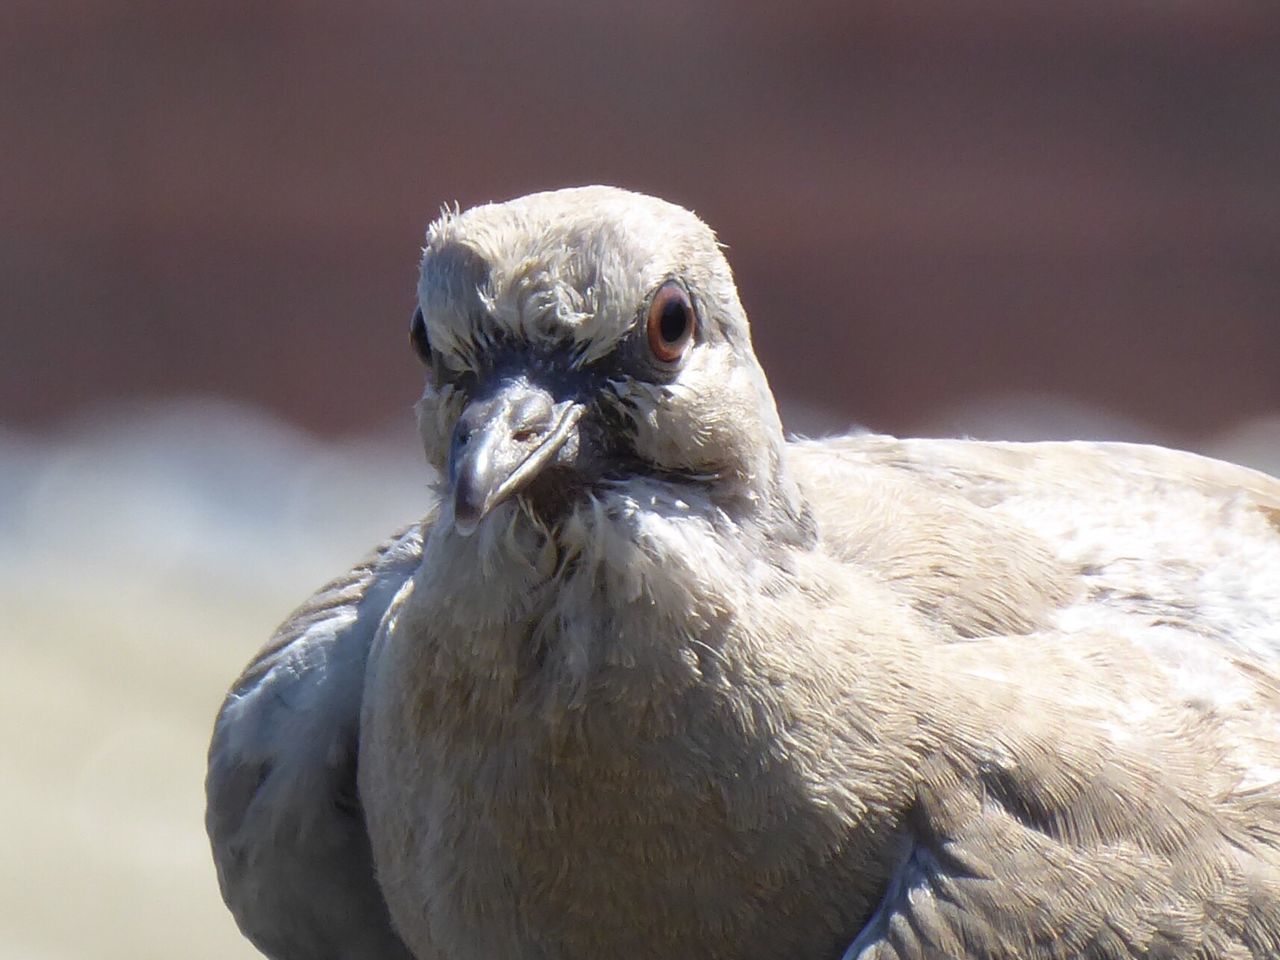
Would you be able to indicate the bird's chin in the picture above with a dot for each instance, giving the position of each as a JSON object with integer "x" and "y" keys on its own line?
{"x": 546, "y": 501}
{"x": 553, "y": 495}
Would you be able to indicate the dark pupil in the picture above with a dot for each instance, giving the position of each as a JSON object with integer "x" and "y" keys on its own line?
{"x": 674, "y": 320}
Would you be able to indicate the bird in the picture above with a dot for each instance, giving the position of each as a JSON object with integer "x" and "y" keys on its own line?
{"x": 650, "y": 678}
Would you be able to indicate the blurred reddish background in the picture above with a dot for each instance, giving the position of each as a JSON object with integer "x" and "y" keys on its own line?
{"x": 1005, "y": 218}
{"x": 926, "y": 204}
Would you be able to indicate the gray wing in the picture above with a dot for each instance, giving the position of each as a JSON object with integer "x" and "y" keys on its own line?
{"x": 283, "y": 815}
{"x": 998, "y": 879}
{"x": 1162, "y": 564}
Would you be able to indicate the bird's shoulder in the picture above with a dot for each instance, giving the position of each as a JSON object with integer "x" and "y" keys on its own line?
{"x": 1147, "y": 481}
{"x": 1126, "y": 734}
{"x": 999, "y": 538}
{"x": 283, "y": 814}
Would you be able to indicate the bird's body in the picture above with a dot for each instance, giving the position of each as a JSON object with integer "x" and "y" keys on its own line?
{"x": 710, "y": 694}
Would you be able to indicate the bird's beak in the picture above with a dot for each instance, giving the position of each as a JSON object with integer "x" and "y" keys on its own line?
{"x": 502, "y": 442}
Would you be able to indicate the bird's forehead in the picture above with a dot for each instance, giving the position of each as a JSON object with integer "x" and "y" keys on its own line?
{"x": 574, "y": 264}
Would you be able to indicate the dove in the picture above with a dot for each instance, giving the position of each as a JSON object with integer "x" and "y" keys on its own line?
{"x": 649, "y": 679}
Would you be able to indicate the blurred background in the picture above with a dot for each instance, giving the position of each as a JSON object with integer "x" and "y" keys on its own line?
{"x": 996, "y": 218}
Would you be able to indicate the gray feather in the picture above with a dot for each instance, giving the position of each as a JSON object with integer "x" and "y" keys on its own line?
{"x": 283, "y": 816}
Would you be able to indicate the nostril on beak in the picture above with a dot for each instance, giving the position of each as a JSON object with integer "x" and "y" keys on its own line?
{"x": 531, "y": 419}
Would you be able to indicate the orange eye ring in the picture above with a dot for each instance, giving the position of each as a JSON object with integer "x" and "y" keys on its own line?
{"x": 670, "y": 322}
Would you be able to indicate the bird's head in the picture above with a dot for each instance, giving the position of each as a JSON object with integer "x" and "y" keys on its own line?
{"x": 584, "y": 339}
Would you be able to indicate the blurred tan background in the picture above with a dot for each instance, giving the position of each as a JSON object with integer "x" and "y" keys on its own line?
{"x": 996, "y": 218}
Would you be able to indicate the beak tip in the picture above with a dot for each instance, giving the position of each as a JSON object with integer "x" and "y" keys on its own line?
{"x": 467, "y": 513}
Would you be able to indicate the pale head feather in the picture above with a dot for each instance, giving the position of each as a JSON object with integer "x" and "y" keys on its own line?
{"x": 572, "y": 271}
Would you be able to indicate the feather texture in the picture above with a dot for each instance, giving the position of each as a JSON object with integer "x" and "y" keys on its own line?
{"x": 284, "y": 819}
{"x": 713, "y": 694}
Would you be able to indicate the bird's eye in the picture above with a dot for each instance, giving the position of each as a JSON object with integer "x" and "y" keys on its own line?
{"x": 671, "y": 322}
{"x": 418, "y": 336}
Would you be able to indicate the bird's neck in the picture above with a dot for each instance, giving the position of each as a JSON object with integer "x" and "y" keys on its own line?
{"x": 616, "y": 595}
{"x": 764, "y": 497}
{"x": 632, "y": 621}
{"x": 643, "y": 687}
